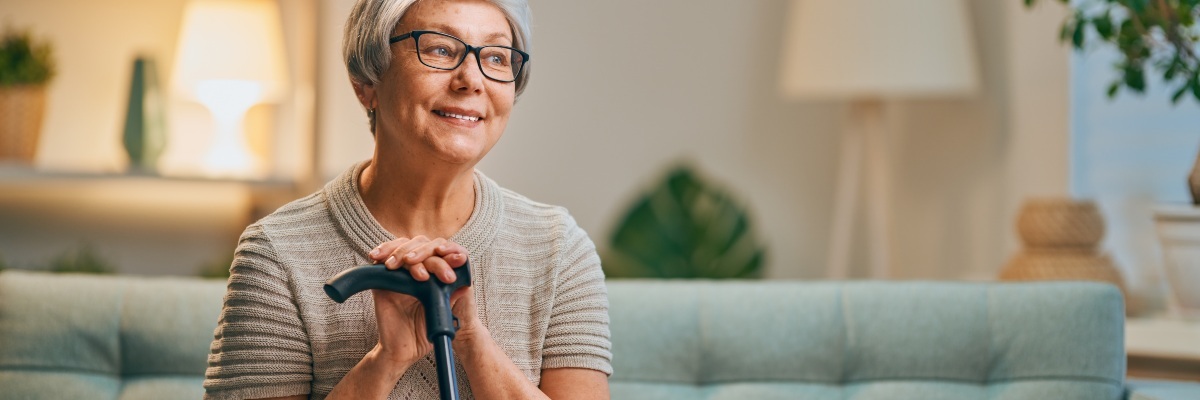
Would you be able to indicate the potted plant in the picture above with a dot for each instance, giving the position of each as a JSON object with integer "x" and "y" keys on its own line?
{"x": 685, "y": 228}
{"x": 26, "y": 67}
{"x": 1158, "y": 36}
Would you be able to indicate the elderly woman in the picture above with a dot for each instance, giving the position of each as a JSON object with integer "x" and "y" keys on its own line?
{"x": 438, "y": 79}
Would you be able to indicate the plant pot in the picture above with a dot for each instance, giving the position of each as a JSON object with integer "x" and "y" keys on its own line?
{"x": 1178, "y": 229}
{"x": 21, "y": 111}
{"x": 1059, "y": 223}
{"x": 1062, "y": 265}
{"x": 1062, "y": 237}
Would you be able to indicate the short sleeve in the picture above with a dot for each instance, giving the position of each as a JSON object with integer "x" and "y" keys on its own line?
{"x": 578, "y": 335}
{"x": 259, "y": 348}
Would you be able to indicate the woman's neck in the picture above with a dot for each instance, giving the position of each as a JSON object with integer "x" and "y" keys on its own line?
{"x": 409, "y": 201}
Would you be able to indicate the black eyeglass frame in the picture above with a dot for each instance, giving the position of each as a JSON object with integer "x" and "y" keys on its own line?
{"x": 415, "y": 35}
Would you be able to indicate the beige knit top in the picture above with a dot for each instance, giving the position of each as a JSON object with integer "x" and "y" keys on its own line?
{"x": 537, "y": 283}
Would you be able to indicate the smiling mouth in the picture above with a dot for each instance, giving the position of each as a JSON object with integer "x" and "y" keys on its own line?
{"x": 452, "y": 115}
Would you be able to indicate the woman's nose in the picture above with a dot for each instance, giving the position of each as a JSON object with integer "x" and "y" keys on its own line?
{"x": 468, "y": 77}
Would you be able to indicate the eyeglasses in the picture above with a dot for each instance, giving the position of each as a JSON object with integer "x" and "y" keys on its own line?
{"x": 441, "y": 51}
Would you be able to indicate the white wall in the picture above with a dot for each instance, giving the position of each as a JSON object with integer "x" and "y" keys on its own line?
{"x": 621, "y": 89}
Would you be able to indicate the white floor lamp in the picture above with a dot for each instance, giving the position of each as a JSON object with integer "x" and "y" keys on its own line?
{"x": 867, "y": 52}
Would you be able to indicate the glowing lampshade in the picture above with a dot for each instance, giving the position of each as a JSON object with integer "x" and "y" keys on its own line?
{"x": 229, "y": 58}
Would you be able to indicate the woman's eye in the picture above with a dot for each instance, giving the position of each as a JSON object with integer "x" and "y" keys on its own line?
{"x": 439, "y": 51}
{"x": 497, "y": 59}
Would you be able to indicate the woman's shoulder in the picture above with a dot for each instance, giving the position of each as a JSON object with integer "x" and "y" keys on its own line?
{"x": 529, "y": 212}
{"x": 306, "y": 213}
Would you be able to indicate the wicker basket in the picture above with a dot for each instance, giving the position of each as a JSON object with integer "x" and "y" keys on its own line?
{"x": 1060, "y": 223}
{"x": 1062, "y": 265}
{"x": 21, "y": 110}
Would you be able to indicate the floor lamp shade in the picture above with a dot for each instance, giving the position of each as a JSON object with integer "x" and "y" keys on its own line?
{"x": 866, "y": 52}
{"x": 853, "y": 49}
{"x": 230, "y": 57}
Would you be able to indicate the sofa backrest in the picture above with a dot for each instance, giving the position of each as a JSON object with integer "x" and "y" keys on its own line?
{"x": 866, "y": 340}
{"x": 105, "y": 337}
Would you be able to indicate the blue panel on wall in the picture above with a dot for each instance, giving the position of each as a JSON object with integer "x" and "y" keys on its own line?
{"x": 1131, "y": 144}
{"x": 1130, "y": 153}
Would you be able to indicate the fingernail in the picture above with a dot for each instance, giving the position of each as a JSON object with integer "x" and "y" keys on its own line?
{"x": 447, "y": 276}
{"x": 375, "y": 252}
{"x": 411, "y": 255}
{"x": 391, "y": 261}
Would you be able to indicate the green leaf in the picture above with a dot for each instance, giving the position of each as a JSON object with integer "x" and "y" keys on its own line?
{"x": 1077, "y": 35}
{"x": 1104, "y": 26}
{"x": 84, "y": 260}
{"x": 1183, "y": 89}
{"x": 1113, "y": 89}
{"x": 1172, "y": 69}
{"x": 684, "y": 228}
{"x": 1196, "y": 88}
{"x": 24, "y": 61}
{"x": 1135, "y": 78}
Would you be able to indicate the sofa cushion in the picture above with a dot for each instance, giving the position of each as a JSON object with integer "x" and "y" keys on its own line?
{"x": 105, "y": 337}
{"x": 869, "y": 340}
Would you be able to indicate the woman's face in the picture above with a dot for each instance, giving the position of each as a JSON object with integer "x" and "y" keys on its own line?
{"x": 415, "y": 102}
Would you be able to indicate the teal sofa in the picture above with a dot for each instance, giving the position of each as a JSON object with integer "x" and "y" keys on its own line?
{"x": 105, "y": 337}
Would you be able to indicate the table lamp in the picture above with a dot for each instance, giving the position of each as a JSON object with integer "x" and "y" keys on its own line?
{"x": 866, "y": 52}
{"x": 230, "y": 58}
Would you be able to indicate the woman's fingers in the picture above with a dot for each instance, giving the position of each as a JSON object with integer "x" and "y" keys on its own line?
{"x": 437, "y": 266}
{"x": 396, "y": 252}
{"x": 419, "y": 252}
{"x": 453, "y": 253}
{"x": 416, "y": 253}
{"x": 419, "y": 272}
{"x": 385, "y": 249}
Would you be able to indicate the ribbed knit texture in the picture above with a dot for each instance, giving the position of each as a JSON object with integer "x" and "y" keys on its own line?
{"x": 537, "y": 282}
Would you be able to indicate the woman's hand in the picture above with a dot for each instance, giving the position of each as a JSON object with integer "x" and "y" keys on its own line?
{"x": 400, "y": 317}
{"x": 422, "y": 256}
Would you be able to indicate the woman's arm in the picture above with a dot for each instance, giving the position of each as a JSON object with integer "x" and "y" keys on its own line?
{"x": 494, "y": 376}
{"x": 574, "y": 383}
{"x": 577, "y": 350}
{"x": 259, "y": 347}
{"x": 372, "y": 378}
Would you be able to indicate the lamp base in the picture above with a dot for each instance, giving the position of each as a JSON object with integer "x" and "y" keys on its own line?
{"x": 865, "y": 138}
{"x": 228, "y": 100}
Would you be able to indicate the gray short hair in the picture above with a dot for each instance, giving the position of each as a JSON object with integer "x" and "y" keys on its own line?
{"x": 365, "y": 46}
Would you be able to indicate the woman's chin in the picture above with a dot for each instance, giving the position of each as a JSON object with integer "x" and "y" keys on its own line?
{"x": 456, "y": 155}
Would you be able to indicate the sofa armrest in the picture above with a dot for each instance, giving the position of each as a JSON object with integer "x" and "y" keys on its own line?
{"x": 1161, "y": 390}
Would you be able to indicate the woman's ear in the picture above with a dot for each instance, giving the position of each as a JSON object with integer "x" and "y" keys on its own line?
{"x": 365, "y": 93}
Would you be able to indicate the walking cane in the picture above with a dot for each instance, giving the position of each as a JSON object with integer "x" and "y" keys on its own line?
{"x": 440, "y": 323}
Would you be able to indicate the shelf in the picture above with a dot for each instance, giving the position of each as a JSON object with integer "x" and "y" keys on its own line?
{"x": 1163, "y": 348}
{"x": 20, "y": 174}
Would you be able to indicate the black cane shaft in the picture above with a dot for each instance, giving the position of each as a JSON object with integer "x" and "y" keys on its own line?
{"x": 443, "y": 352}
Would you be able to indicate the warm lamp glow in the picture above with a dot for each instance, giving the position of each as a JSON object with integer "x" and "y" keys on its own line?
{"x": 230, "y": 57}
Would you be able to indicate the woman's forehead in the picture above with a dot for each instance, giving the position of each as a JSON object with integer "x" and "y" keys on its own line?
{"x": 465, "y": 19}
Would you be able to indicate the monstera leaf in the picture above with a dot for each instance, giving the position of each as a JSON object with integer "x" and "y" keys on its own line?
{"x": 684, "y": 228}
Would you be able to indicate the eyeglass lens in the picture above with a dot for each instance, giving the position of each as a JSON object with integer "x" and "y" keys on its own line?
{"x": 445, "y": 52}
